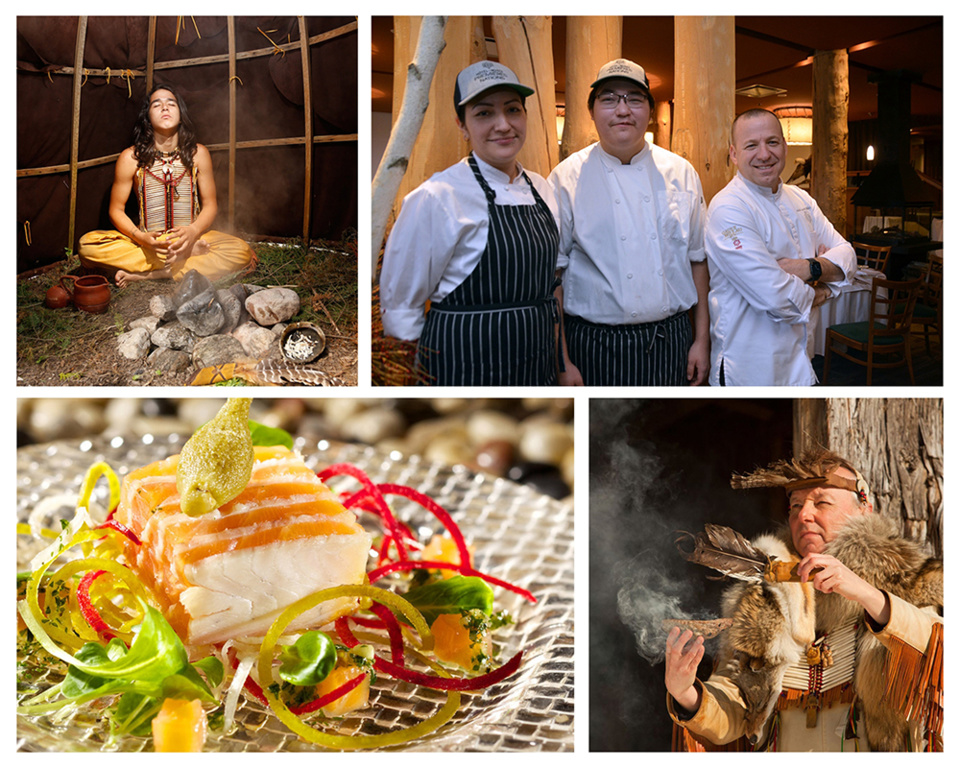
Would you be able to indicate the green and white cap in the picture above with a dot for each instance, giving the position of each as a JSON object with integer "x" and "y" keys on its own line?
{"x": 622, "y": 68}
{"x": 484, "y": 76}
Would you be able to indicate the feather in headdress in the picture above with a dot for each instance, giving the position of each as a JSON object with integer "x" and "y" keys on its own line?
{"x": 726, "y": 551}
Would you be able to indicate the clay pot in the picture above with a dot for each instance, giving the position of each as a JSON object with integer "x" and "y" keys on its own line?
{"x": 91, "y": 293}
{"x": 56, "y": 297}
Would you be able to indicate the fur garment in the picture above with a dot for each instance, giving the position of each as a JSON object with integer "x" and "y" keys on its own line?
{"x": 772, "y": 624}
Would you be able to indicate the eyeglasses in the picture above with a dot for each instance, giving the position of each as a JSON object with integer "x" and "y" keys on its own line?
{"x": 610, "y": 100}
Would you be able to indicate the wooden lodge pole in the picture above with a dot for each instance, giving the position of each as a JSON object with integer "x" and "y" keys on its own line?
{"x": 831, "y": 97}
{"x": 151, "y": 49}
{"x": 75, "y": 128}
{"x": 525, "y": 44}
{"x": 704, "y": 81}
{"x": 307, "y": 127}
{"x": 592, "y": 41}
{"x": 232, "y": 138}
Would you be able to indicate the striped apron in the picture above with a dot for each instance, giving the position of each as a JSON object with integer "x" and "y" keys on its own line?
{"x": 497, "y": 328}
{"x": 643, "y": 355}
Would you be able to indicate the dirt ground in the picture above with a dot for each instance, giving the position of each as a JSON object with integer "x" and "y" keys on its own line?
{"x": 87, "y": 355}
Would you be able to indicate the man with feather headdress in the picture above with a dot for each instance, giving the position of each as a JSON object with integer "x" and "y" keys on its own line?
{"x": 871, "y": 679}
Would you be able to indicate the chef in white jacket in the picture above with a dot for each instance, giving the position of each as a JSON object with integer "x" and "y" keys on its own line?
{"x": 773, "y": 256}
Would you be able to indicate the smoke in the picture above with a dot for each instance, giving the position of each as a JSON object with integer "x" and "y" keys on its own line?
{"x": 636, "y": 508}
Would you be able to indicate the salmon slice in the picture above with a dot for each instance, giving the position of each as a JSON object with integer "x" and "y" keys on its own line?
{"x": 229, "y": 573}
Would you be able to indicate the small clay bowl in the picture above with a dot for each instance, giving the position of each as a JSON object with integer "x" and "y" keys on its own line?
{"x": 302, "y": 343}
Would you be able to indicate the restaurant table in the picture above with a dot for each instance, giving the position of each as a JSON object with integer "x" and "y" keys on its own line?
{"x": 851, "y": 305}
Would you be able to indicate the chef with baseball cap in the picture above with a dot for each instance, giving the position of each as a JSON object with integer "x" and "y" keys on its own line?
{"x": 631, "y": 248}
{"x": 478, "y": 242}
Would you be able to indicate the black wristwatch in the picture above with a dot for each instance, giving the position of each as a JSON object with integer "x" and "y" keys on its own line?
{"x": 815, "y": 270}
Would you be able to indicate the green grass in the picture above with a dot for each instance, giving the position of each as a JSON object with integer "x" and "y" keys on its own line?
{"x": 325, "y": 277}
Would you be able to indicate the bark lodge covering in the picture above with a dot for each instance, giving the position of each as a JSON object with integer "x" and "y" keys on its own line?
{"x": 120, "y": 54}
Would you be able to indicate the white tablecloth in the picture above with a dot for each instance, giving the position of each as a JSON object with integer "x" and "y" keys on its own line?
{"x": 851, "y": 305}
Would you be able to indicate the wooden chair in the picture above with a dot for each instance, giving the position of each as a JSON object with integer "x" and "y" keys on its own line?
{"x": 873, "y": 256}
{"x": 887, "y": 332}
{"x": 928, "y": 312}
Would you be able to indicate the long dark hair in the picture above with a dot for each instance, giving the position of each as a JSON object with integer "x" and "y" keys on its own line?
{"x": 143, "y": 146}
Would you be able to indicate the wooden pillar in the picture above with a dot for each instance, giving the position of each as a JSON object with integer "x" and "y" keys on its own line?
{"x": 704, "y": 81}
{"x": 439, "y": 143}
{"x": 81, "y": 42}
{"x": 592, "y": 41}
{"x": 897, "y": 444}
{"x": 232, "y": 99}
{"x": 831, "y": 97}
{"x": 525, "y": 44}
{"x": 662, "y": 125}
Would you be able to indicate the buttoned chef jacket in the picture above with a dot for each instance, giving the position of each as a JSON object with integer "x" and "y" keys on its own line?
{"x": 439, "y": 236}
{"x": 628, "y": 234}
{"x": 758, "y": 312}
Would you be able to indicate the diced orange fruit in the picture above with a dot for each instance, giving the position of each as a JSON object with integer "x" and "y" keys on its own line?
{"x": 180, "y": 726}
{"x": 452, "y": 643}
{"x": 443, "y": 549}
{"x": 354, "y": 699}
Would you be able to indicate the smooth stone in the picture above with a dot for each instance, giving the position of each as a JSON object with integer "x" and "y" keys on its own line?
{"x": 374, "y": 424}
{"x": 240, "y": 291}
{"x": 273, "y": 305}
{"x": 448, "y": 449}
{"x": 170, "y": 360}
{"x": 486, "y": 425}
{"x": 541, "y": 477}
{"x": 134, "y": 344}
{"x": 257, "y": 341}
{"x": 202, "y": 314}
{"x": 495, "y": 457}
{"x": 219, "y": 349}
{"x": 173, "y": 336}
{"x": 163, "y": 307}
{"x": 232, "y": 308}
{"x": 150, "y": 322}
{"x": 544, "y": 440}
{"x": 192, "y": 285}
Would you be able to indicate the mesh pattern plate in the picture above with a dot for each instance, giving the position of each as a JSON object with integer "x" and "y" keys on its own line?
{"x": 517, "y": 534}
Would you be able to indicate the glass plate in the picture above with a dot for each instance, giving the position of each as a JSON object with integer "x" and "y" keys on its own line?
{"x": 517, "y": 534}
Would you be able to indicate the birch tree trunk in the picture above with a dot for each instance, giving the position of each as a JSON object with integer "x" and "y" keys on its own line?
{"x": 439, "y": 143}
{"x": 525, "y": 44}
{"x": 406, "y": 127}
{"x": 897, "y": 444}
{"x": 592, "y": 41}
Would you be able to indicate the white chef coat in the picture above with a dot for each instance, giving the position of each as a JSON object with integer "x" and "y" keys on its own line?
{"x": 628, "y": 234}
{"x": 758, "y": 312}
{"x": 438, "y": 239}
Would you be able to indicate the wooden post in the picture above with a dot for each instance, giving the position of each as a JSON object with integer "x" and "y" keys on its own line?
{"x": 525, "y": 44}
{"x": 704, "y": 80}
{"x": 307, "y": 126}
{"x": 897, "y": 444}
{"x": 232, "y": 97}
{"x": 439, "y": 143}
{"x": 831, "y": 97}
{"x": 592, "y": 41}
{"x": 662, "y": 125}
{"x": 75, "y": 128}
